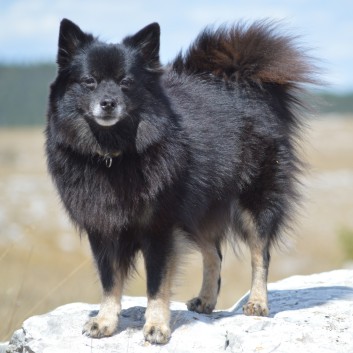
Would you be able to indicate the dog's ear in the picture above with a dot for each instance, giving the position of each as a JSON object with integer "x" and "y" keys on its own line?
{"x": 146, "y": 41}
{"x": 71, "y": 38}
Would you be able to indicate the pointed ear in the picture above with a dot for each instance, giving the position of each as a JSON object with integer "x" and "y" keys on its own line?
{"x": 146, "y": 41}
{"x": 71, "y": 38}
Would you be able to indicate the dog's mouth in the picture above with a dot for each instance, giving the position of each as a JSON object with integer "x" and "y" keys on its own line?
{"x": 106, "y": 120}
{"x": 107, "y": 116}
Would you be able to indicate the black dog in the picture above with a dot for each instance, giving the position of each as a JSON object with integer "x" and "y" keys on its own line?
{"x": 148, "y": 158}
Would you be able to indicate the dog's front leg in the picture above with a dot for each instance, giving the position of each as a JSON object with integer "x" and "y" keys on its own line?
{"x": 112, "y": 277}
{"x": 160, "y": 262}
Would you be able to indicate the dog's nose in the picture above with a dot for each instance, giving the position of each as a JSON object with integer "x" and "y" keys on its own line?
{"x": 108, "y": 104}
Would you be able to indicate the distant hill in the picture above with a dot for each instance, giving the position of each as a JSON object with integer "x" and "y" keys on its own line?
{"x": 24, "y": 91}
{"x": 334, "y": 103}
{"x": 23, "y": 94}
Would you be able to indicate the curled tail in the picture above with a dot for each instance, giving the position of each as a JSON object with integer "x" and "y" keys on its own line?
{"x": 255, "y": 53}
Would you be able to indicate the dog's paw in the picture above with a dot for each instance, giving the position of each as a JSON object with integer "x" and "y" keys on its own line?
{"x": 98, "y": 327}
{"x": 156, "y": 333}
{"x": 200, "y": 305}
{"x": 256, "y": 308}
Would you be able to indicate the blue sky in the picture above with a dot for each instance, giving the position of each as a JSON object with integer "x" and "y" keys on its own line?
{"x": 29, "y": 28}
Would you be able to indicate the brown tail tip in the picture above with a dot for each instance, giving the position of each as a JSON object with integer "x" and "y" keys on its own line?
{"x": 258, "y": 52}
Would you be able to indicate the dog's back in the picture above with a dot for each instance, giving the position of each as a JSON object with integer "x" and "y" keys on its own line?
{"x": 239, "y": 94}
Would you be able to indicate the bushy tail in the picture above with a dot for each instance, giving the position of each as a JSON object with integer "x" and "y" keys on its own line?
{"x": 255, "y": 53}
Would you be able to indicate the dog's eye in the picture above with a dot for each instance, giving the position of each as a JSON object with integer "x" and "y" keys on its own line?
{"x": 89, "y": 82}
{"x": 126, "y": 83}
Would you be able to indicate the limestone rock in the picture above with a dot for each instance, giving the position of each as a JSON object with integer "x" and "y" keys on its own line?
{"x": 308, "y": 314}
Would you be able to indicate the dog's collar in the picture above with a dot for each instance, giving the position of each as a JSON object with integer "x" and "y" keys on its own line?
{"x": 107, "y": 158}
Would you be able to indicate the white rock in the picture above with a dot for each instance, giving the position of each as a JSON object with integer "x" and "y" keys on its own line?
{"x": 3, "y": 346}
{"x": 308, "y": 314}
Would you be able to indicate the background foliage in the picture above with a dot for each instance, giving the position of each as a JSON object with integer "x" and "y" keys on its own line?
{"x": 23, "y": 94}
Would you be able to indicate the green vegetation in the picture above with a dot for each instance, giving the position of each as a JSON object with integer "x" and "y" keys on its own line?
{"x": 333, "y": 103}
{"x": 24, "y": 92}
{"x": 346, "y": 240}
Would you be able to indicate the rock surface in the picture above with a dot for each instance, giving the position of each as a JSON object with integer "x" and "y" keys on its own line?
{"x": 308, "y": 314}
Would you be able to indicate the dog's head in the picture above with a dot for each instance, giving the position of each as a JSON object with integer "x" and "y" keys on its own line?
{"x": 106, "y": 92}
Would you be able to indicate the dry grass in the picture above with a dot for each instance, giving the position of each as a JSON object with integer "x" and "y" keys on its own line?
{"x": 43, "y": 262}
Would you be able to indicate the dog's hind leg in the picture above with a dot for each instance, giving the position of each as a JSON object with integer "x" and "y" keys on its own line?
{"x": 206, "y": 301}
{"x": 260, "y": 258}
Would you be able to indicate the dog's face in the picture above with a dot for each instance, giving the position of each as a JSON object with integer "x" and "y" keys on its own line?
{"x": 103, "y": 87}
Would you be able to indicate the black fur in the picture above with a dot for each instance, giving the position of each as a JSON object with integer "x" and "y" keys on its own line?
{"x": 195, "y": 144}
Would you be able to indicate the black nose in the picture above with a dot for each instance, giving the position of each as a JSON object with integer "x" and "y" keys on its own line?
{"x": 108, "y": 104}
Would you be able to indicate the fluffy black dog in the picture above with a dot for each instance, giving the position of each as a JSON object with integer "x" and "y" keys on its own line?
{"x": 148, "y": 158}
